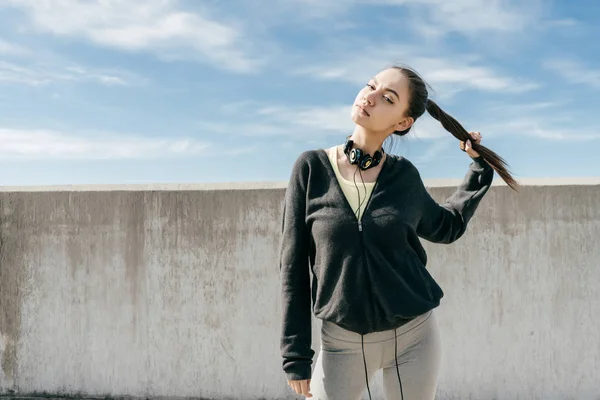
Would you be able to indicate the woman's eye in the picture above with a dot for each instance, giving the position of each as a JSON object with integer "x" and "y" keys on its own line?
{"x": 388, "y": 100}
{"x": 371, "y": 86}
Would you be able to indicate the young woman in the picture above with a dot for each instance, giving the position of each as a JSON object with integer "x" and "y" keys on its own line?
{"x": 353, "y": 215}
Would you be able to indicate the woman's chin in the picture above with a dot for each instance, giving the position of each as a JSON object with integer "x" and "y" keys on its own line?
{"x": 359, "y": 120}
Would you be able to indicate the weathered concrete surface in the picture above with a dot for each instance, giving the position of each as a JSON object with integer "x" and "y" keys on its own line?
{"x": 172, "y": 290}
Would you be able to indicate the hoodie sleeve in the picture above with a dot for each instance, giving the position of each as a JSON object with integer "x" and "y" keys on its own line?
{"x": 448, "y": 222}
{"x": 295, "y": 278}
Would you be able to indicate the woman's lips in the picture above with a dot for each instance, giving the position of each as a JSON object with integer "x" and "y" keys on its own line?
{"x": 364, "y": 111}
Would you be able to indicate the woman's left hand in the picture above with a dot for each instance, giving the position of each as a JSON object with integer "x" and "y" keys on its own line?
{"x": 476, "y": 136}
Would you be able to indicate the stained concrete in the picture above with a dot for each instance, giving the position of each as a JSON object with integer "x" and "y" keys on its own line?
{"x": 172, "y": 290}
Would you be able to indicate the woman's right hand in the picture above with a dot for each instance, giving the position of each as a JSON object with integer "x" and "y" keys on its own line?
{"x": 301, "y": 387}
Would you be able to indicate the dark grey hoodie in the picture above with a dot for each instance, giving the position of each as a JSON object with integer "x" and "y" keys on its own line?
{"x": 369, "y": 275}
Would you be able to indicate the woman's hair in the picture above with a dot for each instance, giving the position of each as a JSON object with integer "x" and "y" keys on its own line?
{"x": 419, "y": 102}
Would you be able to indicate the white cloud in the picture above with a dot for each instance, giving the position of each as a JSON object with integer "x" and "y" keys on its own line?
{"x": 547, "y": 128}
{"x": 433, "y": 152}
{"x": 446, "y": 75}
{"x": 260, "y": 120}
{"x": 44, "y": 74}
{"x": 550, "y": 120}
{"x": 314, "y": 8}
{"x": 574, "y": 72}
{"x": 468, "y": 17}
{"x": 47, "y": 144}
{"x": 516, "y": 108}
{"x": 334, "y": 118}
{"x": 239, "y": 151}
{"x": 570, "y": 28}
{"x": 245, "y": 128}
{"x": 563, "y": 23}
{"x": 445, "y": 72}
{"x": 7, "y": 48}
{"x": 427, "y": 127}
{"x": 436, "y": 17}
{"x": 158, "y": 27}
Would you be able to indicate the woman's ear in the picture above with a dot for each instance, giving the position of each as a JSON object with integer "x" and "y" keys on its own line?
{"x": 405, "y": 124}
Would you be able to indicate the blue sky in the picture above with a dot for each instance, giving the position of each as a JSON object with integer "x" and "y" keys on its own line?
{"x": 218, "y": 91}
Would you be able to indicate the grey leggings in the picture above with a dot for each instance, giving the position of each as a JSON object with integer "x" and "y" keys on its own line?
{"x": 340, "y": 367}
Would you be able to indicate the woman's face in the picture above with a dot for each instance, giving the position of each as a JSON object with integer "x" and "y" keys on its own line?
{"x": 381, "y": 106}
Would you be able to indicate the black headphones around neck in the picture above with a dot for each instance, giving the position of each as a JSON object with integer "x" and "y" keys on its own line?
{"x": 357, "y": 156}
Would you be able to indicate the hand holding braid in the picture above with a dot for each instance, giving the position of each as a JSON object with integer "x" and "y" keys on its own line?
{"x": 457, "y": 130}
{"x": 467, "y": 146}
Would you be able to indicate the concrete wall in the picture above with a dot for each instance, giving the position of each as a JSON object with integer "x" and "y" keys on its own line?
{"x": 173, "y": 291}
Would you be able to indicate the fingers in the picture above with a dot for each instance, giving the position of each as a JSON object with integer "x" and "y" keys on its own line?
{"x": 468, "y": 148}
{"x": 476, "y": 136}
{"x": 468, "y": 145}
{"x": 305, "y": 385}
{"x": 301, "y": 387}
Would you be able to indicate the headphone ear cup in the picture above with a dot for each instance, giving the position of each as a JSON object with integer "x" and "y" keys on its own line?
{"x": 348, "y": 146}
{"x": 355, "y": 156}
{"x": 377, "y": 157}
{"x": 366, "y": 162}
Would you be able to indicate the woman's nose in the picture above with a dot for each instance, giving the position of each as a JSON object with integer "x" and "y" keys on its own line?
{"x": 369, "y": 98}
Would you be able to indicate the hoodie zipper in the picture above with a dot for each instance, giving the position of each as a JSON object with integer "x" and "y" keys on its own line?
{"x": 360, "y": 227}
{"x": 359, "y": 220}
{"x": 362, "y": 243}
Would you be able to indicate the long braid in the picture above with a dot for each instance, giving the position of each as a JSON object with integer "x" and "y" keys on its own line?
{"x": 459, "y": 132}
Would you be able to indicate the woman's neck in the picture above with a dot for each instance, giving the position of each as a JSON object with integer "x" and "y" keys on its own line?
{"x": 368, "y": 142}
